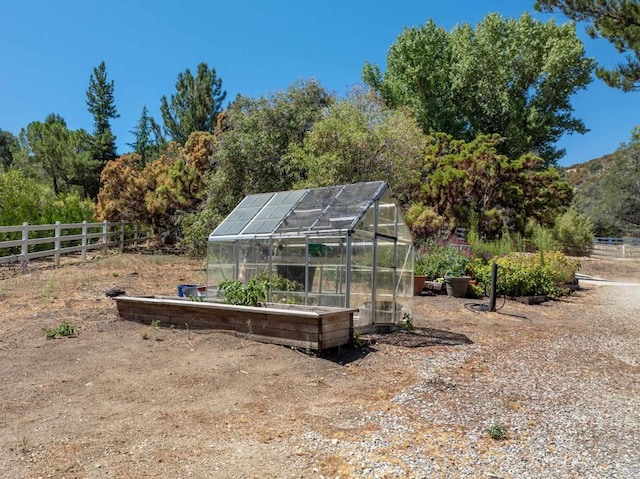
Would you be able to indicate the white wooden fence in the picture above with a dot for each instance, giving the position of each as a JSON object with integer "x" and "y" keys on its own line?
{"x": 65, "y": 240}
{"x": 625, "y": 247}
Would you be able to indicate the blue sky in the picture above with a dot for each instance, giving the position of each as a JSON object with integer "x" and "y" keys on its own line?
{"x": 51, "y": 47}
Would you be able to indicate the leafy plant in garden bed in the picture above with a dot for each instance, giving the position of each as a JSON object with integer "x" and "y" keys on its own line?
{"x": 521, "y": 274}
{"x": 255, "y": 291}
{"x": 435, "y": 261}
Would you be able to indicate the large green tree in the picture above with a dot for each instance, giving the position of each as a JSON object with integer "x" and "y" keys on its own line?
{"x": 62, "y": 155}
{"x": 513, "y": 77}
{"x": 254, "y": 137}
{"x": 7, "y": 143}
{"x": 252, "y": 140}
{"x": 359, "y": 139}
{"x": 195, "y": 105}
{"x": 101, "y": 104}
{"x": 464, "y": 181}
{"x": 617, "y": 21}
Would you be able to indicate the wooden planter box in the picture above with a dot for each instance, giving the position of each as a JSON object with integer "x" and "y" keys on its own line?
{"x": 531, "y": 299}
{"x": 289, "y": 325}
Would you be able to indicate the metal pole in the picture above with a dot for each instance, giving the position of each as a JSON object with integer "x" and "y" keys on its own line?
{"x": 494, "y": 280}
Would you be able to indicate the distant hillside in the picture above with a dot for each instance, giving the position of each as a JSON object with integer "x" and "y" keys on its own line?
{"x": 608, "y": 191}
{"x": 590, "y": 172}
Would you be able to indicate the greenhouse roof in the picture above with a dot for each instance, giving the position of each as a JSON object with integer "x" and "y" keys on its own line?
{"x": 309, "y": 211}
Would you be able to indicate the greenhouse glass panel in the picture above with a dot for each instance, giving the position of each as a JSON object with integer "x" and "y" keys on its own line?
{"x": 221, "y": 264}
{"x": 387, "y": 216}
{"x": 242, "y": 214}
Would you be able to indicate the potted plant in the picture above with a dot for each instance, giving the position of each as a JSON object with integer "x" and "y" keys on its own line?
{"x": 455, "y": 279}
{"x": 419, "y": 274}
{"x": 436, "y": 261}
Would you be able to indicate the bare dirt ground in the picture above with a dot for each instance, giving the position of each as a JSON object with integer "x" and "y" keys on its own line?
{"x": 109, "y": 403}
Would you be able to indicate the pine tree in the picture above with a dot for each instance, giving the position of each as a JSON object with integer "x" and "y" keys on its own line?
{"x": 148, "y": 138}
{"x": 101, "y": 104}
{"x": 617, "y": 21}
{"x": 195, "y": 105}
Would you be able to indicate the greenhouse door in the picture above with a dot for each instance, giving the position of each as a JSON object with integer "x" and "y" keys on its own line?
{"x": 384, "y": 297}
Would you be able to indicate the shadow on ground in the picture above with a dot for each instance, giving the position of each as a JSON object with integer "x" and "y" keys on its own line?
{"x": 346, "y": 354}
{"x": 422, "y": 337}
{"x": 415, "y": 338}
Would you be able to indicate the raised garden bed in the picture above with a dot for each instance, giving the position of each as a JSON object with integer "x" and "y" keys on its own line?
{"x": 531, "y": 299}
{"x": 289, "y": 325}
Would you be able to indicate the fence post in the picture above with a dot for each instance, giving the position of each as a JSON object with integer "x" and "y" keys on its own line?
{"x": 623, "y": 251}
{"x": 56, "y": 247}
{"x": 24, "y": 259}
{"x": 105, "y": 236}
{"x": 84, "y": 240}
{"x": 136, "y": 235}
{"x": 122, "y": 236}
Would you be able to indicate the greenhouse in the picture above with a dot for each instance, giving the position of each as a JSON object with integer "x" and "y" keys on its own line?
{"x": 340, "y": 246}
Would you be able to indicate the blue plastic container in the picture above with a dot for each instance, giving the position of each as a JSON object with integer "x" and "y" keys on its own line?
{"x": 181, "y": 289}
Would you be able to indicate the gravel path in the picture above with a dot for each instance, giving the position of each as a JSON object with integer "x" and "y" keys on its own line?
{"x": 568, "y": 400}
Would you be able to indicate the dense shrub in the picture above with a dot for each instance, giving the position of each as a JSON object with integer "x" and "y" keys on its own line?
{"x": 506, "y": 243}
{"x": 574, "y": 232}
{"x": 543, "y": 239}
{"x": 435, "y": 260}
{"x": 540, "y": 274}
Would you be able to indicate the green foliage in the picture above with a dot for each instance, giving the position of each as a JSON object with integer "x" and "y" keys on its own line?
{"x": 540, "y": 274}
{"x": 408, "y": 322}
{"x": 254, "y": 138}
{"x": 8, "y": 142}
{"x": 435, "y": 260}
{"x": 149, "y": 140}
{"x": 67, "y": 208}
{"x": 497, "y": 432}
{"x": 49, "y": 148}
{"x": 360, "y": 140}
{"x": 543, "y": 238}
{"x": 617, "y": 21}
{"x": 101, "y": 104}
{"x": 20, "y": 198}
{"x": 471, "y": 182}
{"x": 610, "y": 196}
{"x": 505, "y": 244}
{"x": 100, "y": 100}
{"x": 196, "y": 227}
{"x": 195, "y": 105}
{"x": 423, "y": 220}
{"x": 24, "y": 199}
{"x": 574, "y": 232}
{"x": 64, "y": 329}
{"x": 253, "y": 293}
{"x": 489, "y": 79}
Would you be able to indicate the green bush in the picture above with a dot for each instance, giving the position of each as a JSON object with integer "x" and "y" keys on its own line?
{"x": 540, "y": 274}
{"x": 253, "y": 293}
{"x": 504, "y": 245}
{"x": 435, "y": 261}
{"x": 574, "y": 232}
{"x": 543, "y": 239}
{"x": 196, "y": 228}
